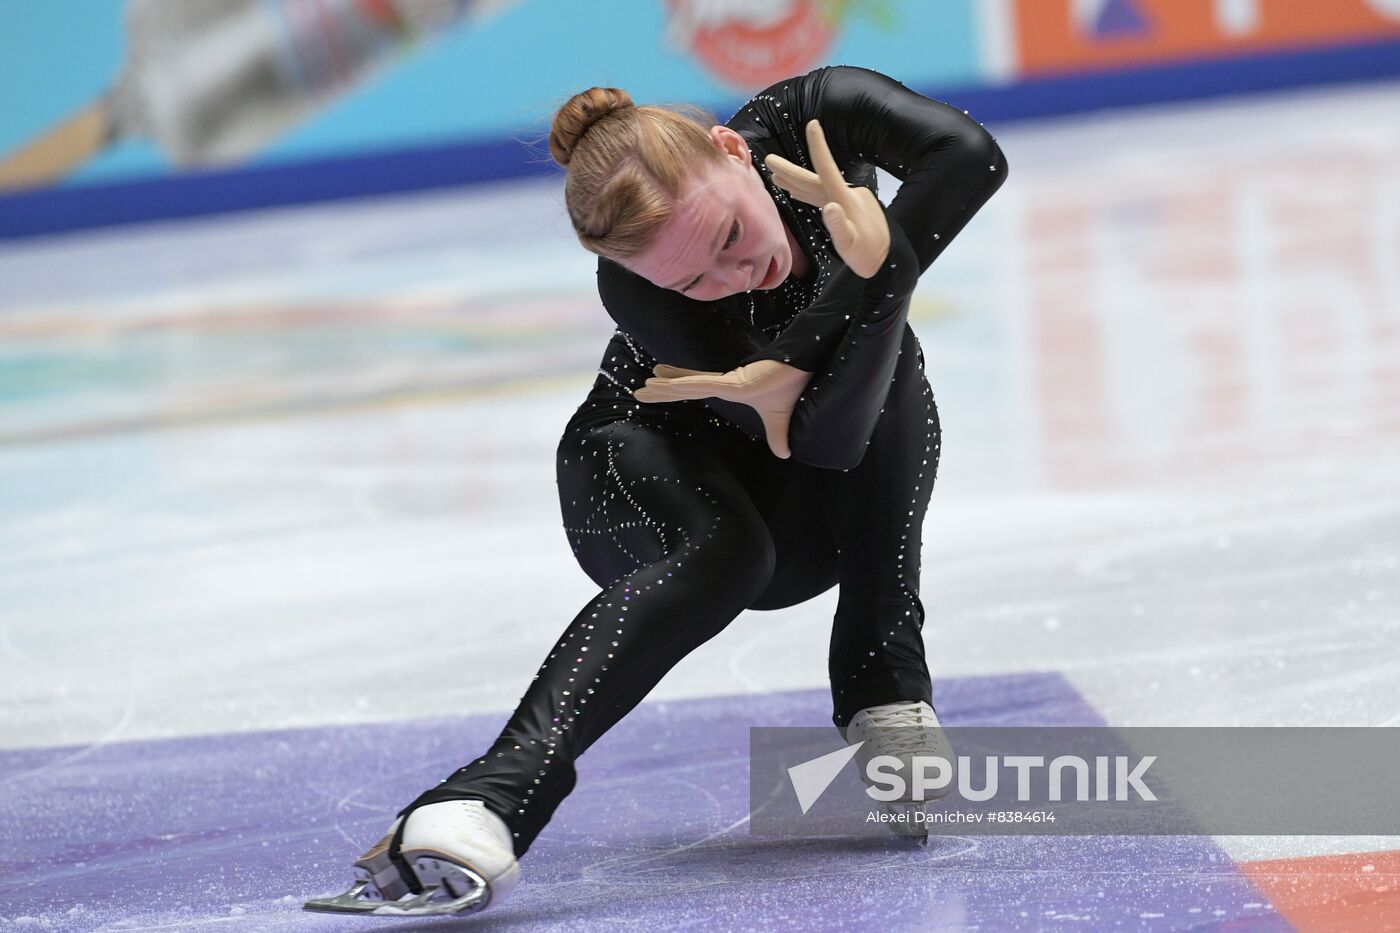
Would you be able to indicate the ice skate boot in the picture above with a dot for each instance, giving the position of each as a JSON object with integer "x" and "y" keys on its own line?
{"x": 905, "y": 729}
{"x": 452, "y": 857}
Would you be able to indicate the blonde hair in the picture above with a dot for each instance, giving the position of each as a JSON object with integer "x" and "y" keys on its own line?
{"x": 627, "y": 166}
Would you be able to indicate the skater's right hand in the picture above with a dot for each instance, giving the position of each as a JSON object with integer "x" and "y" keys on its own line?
{"x": 852, "y": 214}
{"x": 769, "y": 387}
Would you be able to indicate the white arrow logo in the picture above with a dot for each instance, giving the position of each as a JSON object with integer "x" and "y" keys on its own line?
{"x": 811, "y": 778}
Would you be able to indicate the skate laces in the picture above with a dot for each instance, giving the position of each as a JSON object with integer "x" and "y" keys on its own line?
{"x": 902, "y": 728}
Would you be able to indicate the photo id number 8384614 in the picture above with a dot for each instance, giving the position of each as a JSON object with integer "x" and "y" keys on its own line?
{"x": 1021, "y": 816}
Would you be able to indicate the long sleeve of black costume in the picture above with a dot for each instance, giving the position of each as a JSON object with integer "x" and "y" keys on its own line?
{"x": 948, "y": 165}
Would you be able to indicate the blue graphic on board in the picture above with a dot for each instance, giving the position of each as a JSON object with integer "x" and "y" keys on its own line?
{"x": 1121, "y": 18}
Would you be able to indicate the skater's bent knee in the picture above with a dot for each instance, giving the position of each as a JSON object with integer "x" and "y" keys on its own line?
{"x": 736, "y": 555}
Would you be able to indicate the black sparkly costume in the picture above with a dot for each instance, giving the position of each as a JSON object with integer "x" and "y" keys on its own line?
{"x": 680, "y": 512}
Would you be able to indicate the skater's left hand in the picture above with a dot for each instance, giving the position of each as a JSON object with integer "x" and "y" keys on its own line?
{"x": 769, "y": 387}
{"x": 852, "y": 214}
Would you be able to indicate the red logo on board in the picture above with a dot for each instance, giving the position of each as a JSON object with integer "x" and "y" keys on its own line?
{"x": 749, "y": 44}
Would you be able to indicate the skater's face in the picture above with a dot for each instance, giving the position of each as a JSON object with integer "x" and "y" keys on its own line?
{"x": 724, "y": 235}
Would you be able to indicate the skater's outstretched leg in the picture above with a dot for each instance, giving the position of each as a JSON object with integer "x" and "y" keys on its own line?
{"x": 658, "y": 517}
{"x": 663, "y": 523}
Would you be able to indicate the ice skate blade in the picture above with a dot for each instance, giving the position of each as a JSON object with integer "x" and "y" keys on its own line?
{"x": 909, "y": 826}
{"x": 448, "y": 888}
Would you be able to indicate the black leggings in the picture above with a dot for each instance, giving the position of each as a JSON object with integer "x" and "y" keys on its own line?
{"x": 684, "y": 530}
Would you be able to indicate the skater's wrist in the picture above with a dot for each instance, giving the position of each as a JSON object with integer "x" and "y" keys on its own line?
{"x": 898, "y": 274}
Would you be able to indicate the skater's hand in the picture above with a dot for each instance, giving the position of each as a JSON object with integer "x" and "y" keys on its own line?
{"x": 769, "y": 387}
{"x": 852, "y": 214}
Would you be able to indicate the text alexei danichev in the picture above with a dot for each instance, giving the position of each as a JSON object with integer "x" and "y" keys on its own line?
{"x": 920, "y": 816}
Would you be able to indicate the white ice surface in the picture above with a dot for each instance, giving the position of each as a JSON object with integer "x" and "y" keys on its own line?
{"x": 271, "y": 470}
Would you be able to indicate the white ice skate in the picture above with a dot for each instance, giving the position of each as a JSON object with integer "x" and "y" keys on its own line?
{"x": 459, "y": 852}
{"x": 904, "y": 729}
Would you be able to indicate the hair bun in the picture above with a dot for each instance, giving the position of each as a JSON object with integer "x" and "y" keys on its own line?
{"x": 574, "y": 119}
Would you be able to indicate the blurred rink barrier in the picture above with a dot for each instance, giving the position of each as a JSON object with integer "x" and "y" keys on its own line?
{"x": 126, "y": 111}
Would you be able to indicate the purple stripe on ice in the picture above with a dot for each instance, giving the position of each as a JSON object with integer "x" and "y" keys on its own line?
{"x": 240, "y": 829}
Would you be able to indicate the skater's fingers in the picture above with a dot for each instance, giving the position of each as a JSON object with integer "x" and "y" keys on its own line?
{"x": 667, "y": 371}
{"x": 802, "y": 184}
{"x": 725, "y": 386}
{"x": 825, "y": 163}
{"x": 790, "y": 171}
{"x": 716, "y": 382}
{"x": 656, "y": 394}
{"x": 673, "y": 391}
{"x": 843, "y": 233}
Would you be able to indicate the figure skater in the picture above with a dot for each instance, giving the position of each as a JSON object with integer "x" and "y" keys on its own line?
{"x": 760, "y": 430}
